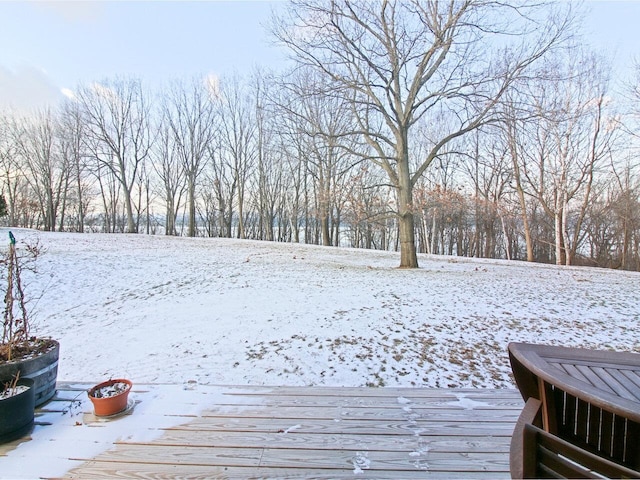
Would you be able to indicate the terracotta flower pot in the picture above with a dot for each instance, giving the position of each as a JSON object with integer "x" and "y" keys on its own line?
{"x": 110, "y": 397}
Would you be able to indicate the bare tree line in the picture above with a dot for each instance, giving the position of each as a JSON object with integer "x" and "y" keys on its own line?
{"x": 465, "y": 128}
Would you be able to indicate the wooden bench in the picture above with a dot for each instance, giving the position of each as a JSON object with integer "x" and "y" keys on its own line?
{"x": 536, "y": 453}
{"x": 582, "y": 416}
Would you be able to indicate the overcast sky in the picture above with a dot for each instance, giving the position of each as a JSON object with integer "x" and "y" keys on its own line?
{"x": 46, "y": 47}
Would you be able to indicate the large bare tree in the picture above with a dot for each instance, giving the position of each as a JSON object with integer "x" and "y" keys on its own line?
{"x": 238, "y": 138}
{"x": 71, "y": 131}
{"x": 325, "y": 122}
{"x": 9, "y": 170}
{"x": 570, "y": 138}
{"x": 171, "y": 172}
{"x": 117, "y": 117}
{"x": 47, "y": 172}
{"x": 399, "y": 61}
{"x": 190, "y": 115}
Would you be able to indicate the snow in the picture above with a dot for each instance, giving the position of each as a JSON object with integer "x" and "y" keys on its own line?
{"x": 12, "y": 392}
{"x": 361, "y": 462}
{"x": 159, "y": 309}
{"x": 157, "y": 408}
{"x": 110, "y": 390}
{"x": 466, "y": 403}
{"x": 292, "y": 428}
{"x": 208, "y": 312}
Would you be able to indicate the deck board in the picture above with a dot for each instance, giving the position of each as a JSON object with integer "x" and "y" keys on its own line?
{"x": 311, "y": 432}
{"x": 467, "y": 428}
{"x": 436, "y": 443}
{"x": 97, "y": 470}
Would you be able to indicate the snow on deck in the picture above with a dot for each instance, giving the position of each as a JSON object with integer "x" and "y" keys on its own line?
{"x": 201, "y": 431}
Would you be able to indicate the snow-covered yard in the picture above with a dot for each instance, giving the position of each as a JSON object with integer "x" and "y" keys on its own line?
{"x": 161, "y": 309}
{"x": 192, "y": 315}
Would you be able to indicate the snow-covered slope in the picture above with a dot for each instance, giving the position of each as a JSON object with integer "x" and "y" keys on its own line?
{"x": 222, "y": 311}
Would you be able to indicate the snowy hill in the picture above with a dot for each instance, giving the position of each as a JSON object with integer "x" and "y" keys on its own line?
{"x": 222, "y": 311}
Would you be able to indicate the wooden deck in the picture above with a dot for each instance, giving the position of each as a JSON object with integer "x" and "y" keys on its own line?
{"x": 307, "y": 432}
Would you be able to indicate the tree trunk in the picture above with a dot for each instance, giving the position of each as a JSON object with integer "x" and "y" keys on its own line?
{"x": 406, "y": 221}
{"x": 559, "y": 243}
{"x": 565, "y": 238}
{"x": 191, "y": 231}
{"x": 80, "y": 204}
{"x": 525, "y": 224}
{"x": 131, "y": 224}
{"x": 170, "y": 219}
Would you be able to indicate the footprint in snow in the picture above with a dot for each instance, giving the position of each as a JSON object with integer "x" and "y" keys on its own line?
{"x": 360, "y": 462}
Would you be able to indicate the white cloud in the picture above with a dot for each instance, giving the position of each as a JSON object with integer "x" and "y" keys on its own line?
{"x": 68, "y": 93}
{"x": 104, "y": 91}
{"x": 73, "y": 11}
{"x": 26, "y": 88}
{"x": 212, "y": 84}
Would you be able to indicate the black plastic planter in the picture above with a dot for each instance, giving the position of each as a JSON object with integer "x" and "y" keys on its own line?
{"x": 43, "y": 369}
{"x": 17, "y": 413}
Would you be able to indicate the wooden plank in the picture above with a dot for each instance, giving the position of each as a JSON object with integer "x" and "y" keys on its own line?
{"x": 408, "y": 443}
{"x": 619, "y": 437}
{"x": 593, "y": 378}
{"x": 570, "y": 407}
{"x": 377, "y": 460}
{"x": 624, "y": 380}
{"x": 606, "y": 432}
{"x": 326, "y": 432}
{"x": 308, "y": 458}
{"x": 632, "y": 376}
{"x": 582, "y": 420}
{"x": 607, "y": 376}
{"x": 595, "y": 421}
{"x": 364, "y": 393}
{"x": 512, "y": 401}
{"x": 367, "y": 392}
{"x": 301, "y": 394}
{"x": 97, "y": 470}
{"x": 570, "y": 369}
{"x": 363, "y": 413}
{"x": 582, "y": 356}
{"x": 353, "y": 427}
{"x": 176, "y": 455}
